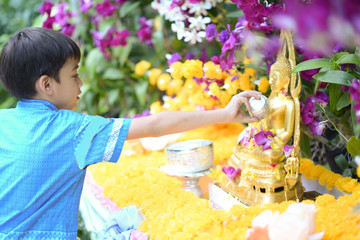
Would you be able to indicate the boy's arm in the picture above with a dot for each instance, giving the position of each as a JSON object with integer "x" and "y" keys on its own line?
{"x": 179, "y": 121}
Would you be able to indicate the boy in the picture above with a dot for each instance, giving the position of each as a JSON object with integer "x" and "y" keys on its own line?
{"x": 45, "y": 146}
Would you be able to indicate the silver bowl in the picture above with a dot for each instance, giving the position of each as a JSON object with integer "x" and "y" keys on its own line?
{"x": 189, "y": 156}
{"x": 259, "y": 107}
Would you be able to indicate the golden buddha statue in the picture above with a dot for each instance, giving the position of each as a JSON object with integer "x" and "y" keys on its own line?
{"x": 268, "y": 172}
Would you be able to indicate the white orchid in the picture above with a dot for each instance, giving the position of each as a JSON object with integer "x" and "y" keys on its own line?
{"x": 179, "y": 28}
{"x": 200, "y": 8}
{"x": 194, "y": 36}
{"x": 199, "y": 23}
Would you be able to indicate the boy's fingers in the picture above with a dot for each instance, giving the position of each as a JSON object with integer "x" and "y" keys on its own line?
{"x": 248, "y": 119}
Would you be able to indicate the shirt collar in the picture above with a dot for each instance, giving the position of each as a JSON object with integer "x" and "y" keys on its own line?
{"x": 36, "y": 103}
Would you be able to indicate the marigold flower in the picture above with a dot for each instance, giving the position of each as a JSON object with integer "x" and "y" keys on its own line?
{"x": 154, "y": 74}
{"x": 193, "y": 68}
{"x": 263, "y": 85}
{"x": 212, "y": 71}
{"x": 141, "y": 67}
{"x": 214, "y": 89}
{"x": 176, "y": 70}
{"x": 163, "y": 81}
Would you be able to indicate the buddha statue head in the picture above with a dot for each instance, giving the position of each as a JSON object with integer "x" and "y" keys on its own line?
{"x": 280, "y": 75}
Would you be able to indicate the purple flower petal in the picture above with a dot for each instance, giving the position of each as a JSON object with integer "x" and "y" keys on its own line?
{"x": 287, "y": 150}
{"x": 317, "y": 127}
{"x": 231, "y": 172}
{"x": 46, "y": 7}
{"x": 211, "y": 32}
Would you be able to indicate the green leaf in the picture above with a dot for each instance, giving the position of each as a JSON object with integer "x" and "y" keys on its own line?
{"x": 140, "y": 90}
{"x": 341, "y": 162}
{"x": 334, "y": 96}
{"x": 353, "y": 146}
{"x": 235, "y": 14}
{"x": 113, "y": 74}
{"x": 344, "y": 101}
{"x": 123, "y": 52}
{"x": 349, "y": 59}
{"x": 347, "y": 172}
{"x": 313, "y": 64}
{"x": 128, "y": 7}
{"x": 305, "y": 145}
{"x": 337, "y": 77}
{"x": 356, "y": 125}
{"x": 339, "y": 55}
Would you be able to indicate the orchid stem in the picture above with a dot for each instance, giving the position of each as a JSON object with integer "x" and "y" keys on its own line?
{"x": 347, "y": 140}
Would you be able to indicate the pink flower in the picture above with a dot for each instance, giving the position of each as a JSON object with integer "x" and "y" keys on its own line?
{"x": 138, "y": 235}
{"x": 106, "y": 9}
{"x": 68, "y": 29}
{"x": 46, "y": 7}
{"x": 85, "y": 5}
{"x": 48, "y": 23}
{"x": 231, "y": 172}
{"x": 120, "y": 38}
{"x": 287, "y": 150}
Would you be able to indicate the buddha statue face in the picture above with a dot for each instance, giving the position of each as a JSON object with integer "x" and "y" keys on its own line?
{"x": 280, "y": 73}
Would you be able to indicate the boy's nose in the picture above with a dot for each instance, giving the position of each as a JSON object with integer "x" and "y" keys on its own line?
{"x": 80, "y": 82}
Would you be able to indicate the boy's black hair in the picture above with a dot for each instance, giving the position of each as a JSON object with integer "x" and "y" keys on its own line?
{"x": 31, "y": 53}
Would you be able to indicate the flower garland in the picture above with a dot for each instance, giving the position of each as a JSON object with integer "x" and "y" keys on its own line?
{"x": 172, "y": 213}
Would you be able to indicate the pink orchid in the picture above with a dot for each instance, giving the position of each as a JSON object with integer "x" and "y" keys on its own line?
{"x": 287, "y": 150}
{"x": 231, "y": 172}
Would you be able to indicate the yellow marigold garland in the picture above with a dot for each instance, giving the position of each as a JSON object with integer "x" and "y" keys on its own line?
{"x": 172, "y": 213}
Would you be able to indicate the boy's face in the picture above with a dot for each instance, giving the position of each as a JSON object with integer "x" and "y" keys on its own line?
{"x": 66, "y": 92}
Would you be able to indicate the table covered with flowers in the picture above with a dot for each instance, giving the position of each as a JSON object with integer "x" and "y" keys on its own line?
{"x": 173, "y": 213}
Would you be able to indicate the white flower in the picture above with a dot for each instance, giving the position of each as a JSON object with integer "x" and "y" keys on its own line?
{"x": 194, "y": 36}
{"x": 213, "y": 2}
{"x": 179, "y": 28}
{"x": 199, "y": 8}
{"x": 199, "y": 23}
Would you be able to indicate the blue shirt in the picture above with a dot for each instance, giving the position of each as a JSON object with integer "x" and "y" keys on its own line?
{"x": 43, "y": 157}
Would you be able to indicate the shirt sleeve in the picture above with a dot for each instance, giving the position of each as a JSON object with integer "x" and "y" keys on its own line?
{"x": 100, "y": 139}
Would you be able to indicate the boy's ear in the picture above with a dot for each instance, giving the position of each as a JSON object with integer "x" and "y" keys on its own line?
{"x": 44, "y": 84}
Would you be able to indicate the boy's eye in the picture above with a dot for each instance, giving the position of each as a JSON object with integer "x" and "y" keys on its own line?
{"x": 76, "y": 76}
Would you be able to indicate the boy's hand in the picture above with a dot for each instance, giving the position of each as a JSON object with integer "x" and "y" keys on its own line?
{"x": 233, "y": 108}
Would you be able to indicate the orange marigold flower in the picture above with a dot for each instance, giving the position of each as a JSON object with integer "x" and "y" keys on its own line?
{"x": 193, "y": 68}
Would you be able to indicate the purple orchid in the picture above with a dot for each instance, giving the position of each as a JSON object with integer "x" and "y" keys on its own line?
{"x": 224, "y": 36}
{"x": 262, "y": 139}
{"x": 316, "y": 126}
{"x": 118, "y": 38}
{"x": 231, "y": 172}
{"x": 48, "y": 23}
{"x": 189, "y": 56}
{"x": 355, "y": 95}
{"x": 287, "y": 150}
{"x": 46, "y": 7}
{"x": 145, "y": 31}
{"x": 85, "y": 5}
{"x": 211, "y": 32}
{"x": 106, "y": 9}
{"x": 174, "y": 58}
{"x": 68, "y": 29}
